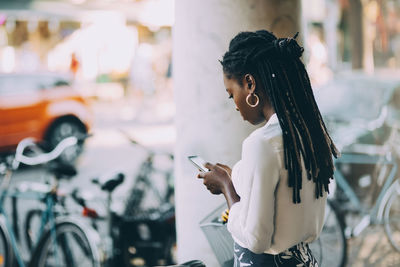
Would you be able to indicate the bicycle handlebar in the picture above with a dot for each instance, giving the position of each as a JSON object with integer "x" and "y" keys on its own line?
{"x": 42, "y": 158}
{"x": 148, "y": 149}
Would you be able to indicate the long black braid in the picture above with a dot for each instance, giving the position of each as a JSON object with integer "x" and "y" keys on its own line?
{"x": 276, "y": 64}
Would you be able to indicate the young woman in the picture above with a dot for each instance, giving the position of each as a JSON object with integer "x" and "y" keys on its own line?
{"x": 276, "y": 193}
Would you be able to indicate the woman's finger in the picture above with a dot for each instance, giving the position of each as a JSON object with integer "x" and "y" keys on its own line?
{"x": 220, "y": 166}
{"x": 224, "y": 167}
{"x": 209, "y": 166}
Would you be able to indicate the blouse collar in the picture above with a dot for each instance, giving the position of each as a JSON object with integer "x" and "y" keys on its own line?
{"x": 272, "y": 120}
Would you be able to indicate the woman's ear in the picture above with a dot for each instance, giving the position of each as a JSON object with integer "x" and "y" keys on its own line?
{"x": 250, "y": 83}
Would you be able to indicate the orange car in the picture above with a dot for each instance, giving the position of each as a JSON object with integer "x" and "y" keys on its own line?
{"x": 43, "y": 106}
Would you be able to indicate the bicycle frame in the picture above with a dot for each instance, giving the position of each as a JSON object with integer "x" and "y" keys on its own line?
{"x": 7, "y": 223}
{"x": 47, "y": 216}
{"x": 375, "y": 214}
{"x": 143, "y": 183}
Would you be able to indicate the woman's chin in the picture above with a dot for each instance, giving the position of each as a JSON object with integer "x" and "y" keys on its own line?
{"x": 256, "y": 122}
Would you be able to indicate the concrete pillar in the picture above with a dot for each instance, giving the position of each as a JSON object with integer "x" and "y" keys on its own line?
{"x": 207, "y": 123}
{"x": 331, "y": 23}
{"x": 357, "y": 33}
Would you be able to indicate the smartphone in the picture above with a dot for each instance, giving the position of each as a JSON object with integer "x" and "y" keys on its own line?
{"x": 199, "y": 163}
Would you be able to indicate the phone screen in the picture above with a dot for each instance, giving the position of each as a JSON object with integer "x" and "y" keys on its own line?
{"x": 198, "y": 162}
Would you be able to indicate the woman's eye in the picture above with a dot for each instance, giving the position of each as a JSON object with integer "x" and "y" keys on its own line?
{"x": 231, "y": 96}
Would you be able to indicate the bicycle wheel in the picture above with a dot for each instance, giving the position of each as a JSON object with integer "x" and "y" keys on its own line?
{"x": 330, "y": 249}
{"x": 6, "y": 253}
{"x": 33, "y": 222}
{"x": 391, "y": 218}
{"x": 171, "y": 251}
{"x": 68, "y": 245}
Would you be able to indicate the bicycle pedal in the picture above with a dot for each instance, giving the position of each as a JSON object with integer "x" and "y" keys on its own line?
{"x": 349, "y": 208}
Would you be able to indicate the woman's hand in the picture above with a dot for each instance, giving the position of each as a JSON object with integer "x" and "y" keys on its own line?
{"x": 217, "y": 179}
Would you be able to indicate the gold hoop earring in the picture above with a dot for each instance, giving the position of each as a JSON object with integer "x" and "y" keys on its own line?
{"x": 252, "y": 105}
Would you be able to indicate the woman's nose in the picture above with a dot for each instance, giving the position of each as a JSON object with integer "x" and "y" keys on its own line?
{"x": 237, "y": 108}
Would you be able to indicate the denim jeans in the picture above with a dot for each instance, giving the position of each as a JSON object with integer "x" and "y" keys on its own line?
{"x": 298, "y": 255}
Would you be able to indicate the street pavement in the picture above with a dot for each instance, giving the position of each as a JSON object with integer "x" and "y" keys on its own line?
{"x": 372, "y": 249}
{"x": 150, "y": 121}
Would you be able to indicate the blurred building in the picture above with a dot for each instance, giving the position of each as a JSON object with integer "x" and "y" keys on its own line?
{"x": 352, "y": 34}
{"x": 96, "y": 40}
{"x": 106, "y": 35}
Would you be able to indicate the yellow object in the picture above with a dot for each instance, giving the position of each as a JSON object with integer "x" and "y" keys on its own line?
{"x": 225, "y": 216}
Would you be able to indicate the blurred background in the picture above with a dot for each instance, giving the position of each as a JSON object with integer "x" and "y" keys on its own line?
{"x": 104, "y": 68}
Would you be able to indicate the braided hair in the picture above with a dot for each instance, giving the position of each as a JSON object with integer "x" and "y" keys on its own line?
{"x": 275, "y": 63}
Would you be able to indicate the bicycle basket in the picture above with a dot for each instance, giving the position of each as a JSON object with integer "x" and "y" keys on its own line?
{"x": 218, "y": 236}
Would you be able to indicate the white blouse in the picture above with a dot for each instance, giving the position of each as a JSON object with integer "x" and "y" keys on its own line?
{"x": 265, "y": 220}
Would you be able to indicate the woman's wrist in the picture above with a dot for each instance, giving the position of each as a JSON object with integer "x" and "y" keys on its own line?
{"x": 230, "y": 193}
{"x": 227, "y": 186}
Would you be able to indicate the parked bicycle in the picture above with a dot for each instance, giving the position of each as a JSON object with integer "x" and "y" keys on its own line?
{"x": 376, "y": 167}
{"x": 53, "y": 201}
{"x": 143, "y": 235}
{"x": 330, "y": 249}
{"x": 66, "y": 241}
{"x": 151, "y": 181}
{"x": 386, "y": 189}
{"x": 46, "y": 193}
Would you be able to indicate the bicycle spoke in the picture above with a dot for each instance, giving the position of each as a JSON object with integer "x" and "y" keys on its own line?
{"x": 392, "y": 220}
{"x": 71, "y": 249}
{"x": 330, "y": 248}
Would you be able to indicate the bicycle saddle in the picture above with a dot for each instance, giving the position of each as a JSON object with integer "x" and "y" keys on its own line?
{"x": 62, "y": 170}
{"x": 110, "y": 183}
